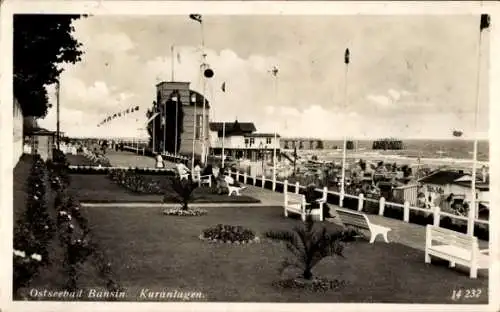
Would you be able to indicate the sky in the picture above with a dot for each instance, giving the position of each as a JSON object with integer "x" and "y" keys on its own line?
{"x": 408, "y": 76}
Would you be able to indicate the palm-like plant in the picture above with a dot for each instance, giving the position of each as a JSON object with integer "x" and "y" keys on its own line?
{"x": 183, "y": 191}
{"x": 310, "y": 245}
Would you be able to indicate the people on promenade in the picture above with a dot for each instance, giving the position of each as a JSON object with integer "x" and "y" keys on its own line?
{"x": 182, "y": 170}
{"x": 312, "y": 197}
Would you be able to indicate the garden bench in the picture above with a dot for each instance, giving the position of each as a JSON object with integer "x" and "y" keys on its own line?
{"x": 232, "y": 188}
{"x": 202, "y": 179}
{"x": 361, "y": 221}
{"x": 296, "y": 203}
{"x": 455, "y": 247}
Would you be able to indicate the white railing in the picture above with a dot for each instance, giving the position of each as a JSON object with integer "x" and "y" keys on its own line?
{"x": 135, "y": 149}
{"x": 382, "y": 204}
{"x": 173, "y": 157}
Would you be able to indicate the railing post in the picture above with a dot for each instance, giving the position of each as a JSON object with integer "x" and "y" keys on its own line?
{"x": 237, "y": 176}
{"x": 437, "y": 215}
{"x": 297, "y": 187}
{"x": 381, "y": 206}
{"x": 406, "y": 212}
{"x": 325, "y": 193}
{"x": 254, "y": 178}
{"x": 263, "y": 180}
{"x": 285, "y": 186}
{"x": 274, "y": 183}
{"x": 245, "y": 178}
{"x": 361, "y": 199}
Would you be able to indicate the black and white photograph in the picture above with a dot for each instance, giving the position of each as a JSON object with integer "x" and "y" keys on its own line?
{"x": 183, "y": 154}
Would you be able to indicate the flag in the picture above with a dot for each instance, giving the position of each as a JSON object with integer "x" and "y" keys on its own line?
{"x": 137, "y": 108}
{"x": 223, "y": 87}
{"x": 128, "y": 110}
{"x": 114, "y": 115}
{"x": 119, "y": 114}
{"x": 347, "y": 56}
{"x": 178, "y": 57}
{"x": 457, "y": 133}
{"x": 196, "y": 17}
{"x": 485, "y": 22}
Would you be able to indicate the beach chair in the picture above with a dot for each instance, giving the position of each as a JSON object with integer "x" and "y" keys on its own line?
{"x": 232, "y": 187}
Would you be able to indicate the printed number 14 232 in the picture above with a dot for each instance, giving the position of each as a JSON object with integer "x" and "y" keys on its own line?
{"x": 468, "y": 293}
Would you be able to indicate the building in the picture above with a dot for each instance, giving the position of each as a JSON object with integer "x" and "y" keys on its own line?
{"x": 241, "y": 141}
{"x": 41, "y": 142}
{"x": 176, "y": 99}
{"x": 444, "y": 183}
{"x": 18, "y": 137}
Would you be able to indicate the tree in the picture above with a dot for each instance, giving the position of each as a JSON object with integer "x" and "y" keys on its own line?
{"x": 309, "y": 245}
{"x": 42, "y": 42}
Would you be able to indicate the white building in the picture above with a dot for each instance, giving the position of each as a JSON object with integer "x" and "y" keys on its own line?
{"x": 442, "y": 184}
{"x": 241, "y": 141}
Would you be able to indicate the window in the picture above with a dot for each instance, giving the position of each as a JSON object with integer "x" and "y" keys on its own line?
{"x": 198, "y": 132}
{"x": 252, "y": 141}
{"x": 268, "y": 141}
{"x": 247, "y": 141}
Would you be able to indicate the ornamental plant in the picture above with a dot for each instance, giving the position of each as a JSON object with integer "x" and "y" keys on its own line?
{"x": 229, "y": 233}
{"x": 183, "y": 192}
{"x": 309, "y": 245}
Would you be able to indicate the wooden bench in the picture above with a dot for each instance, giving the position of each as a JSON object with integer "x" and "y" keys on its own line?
{"x": 296, "y": 203}
{"x": 455, "y": 247}
{"x": 361, "y": 221}
{"x": 202, "y": 179}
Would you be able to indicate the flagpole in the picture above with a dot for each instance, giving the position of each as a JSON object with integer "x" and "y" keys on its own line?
{"x": 342, "y": 183}
{"x": 472, "y": 209}
{"x": 154, "y": 127}
{"x": 275, "y": 135}
{"x": 223, "y": 138}
{"x": 172, "y": 61}
{"x": 177, "y": 99}
{"x": 164, "y": 126}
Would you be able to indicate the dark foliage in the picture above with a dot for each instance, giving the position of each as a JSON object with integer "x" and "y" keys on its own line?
{"x": 229, "y": 233}
{"x": 41, "y": 43}
{"x": 183, "y": 190}
{"x": 309, "y": 245}
{"x": 34, "y": 231}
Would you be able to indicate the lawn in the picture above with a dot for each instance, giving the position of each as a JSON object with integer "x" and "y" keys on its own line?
{"x": 78, "y": 160}
{"x": 163, "y": 252}
{"x": 95, "y": 188}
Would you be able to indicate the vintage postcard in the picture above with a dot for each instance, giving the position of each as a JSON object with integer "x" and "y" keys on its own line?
{"x": 249, "y": 155}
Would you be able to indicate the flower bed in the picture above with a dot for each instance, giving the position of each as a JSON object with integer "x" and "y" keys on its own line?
{"x": 229, "y": 234}
{"x": 191, "y": 212}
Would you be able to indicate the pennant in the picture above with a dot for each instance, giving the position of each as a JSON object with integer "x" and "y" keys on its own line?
{"x": 137, "y": 108}
{"x": 485, "y": 22}
{"x": 196, "y": 17}
{"x": 114, "y": 116}
{"x": 128, "y": 109}
{"x": 347, "y": 56}
{"x": 119, "y": 114}
{"x": 223, "y": 87}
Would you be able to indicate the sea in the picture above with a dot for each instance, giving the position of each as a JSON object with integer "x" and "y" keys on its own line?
{"x": 454, "y": 149}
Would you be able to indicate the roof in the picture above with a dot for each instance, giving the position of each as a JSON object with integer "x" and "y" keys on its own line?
{"x": 39, "y": 131}
{"x": 442, "y": 177}
{"x": 261, "y": 135}
{"x": 479, "y": 185}
{"x": 233, "y": 128}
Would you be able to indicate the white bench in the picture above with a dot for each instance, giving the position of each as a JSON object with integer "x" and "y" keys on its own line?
{"x": 456, "y": 248}
{"x": 202, "y": 179}
{"x": 361, "y": 221}
{"x": 233, "y": 189}
{"x": 296, "y": 203}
